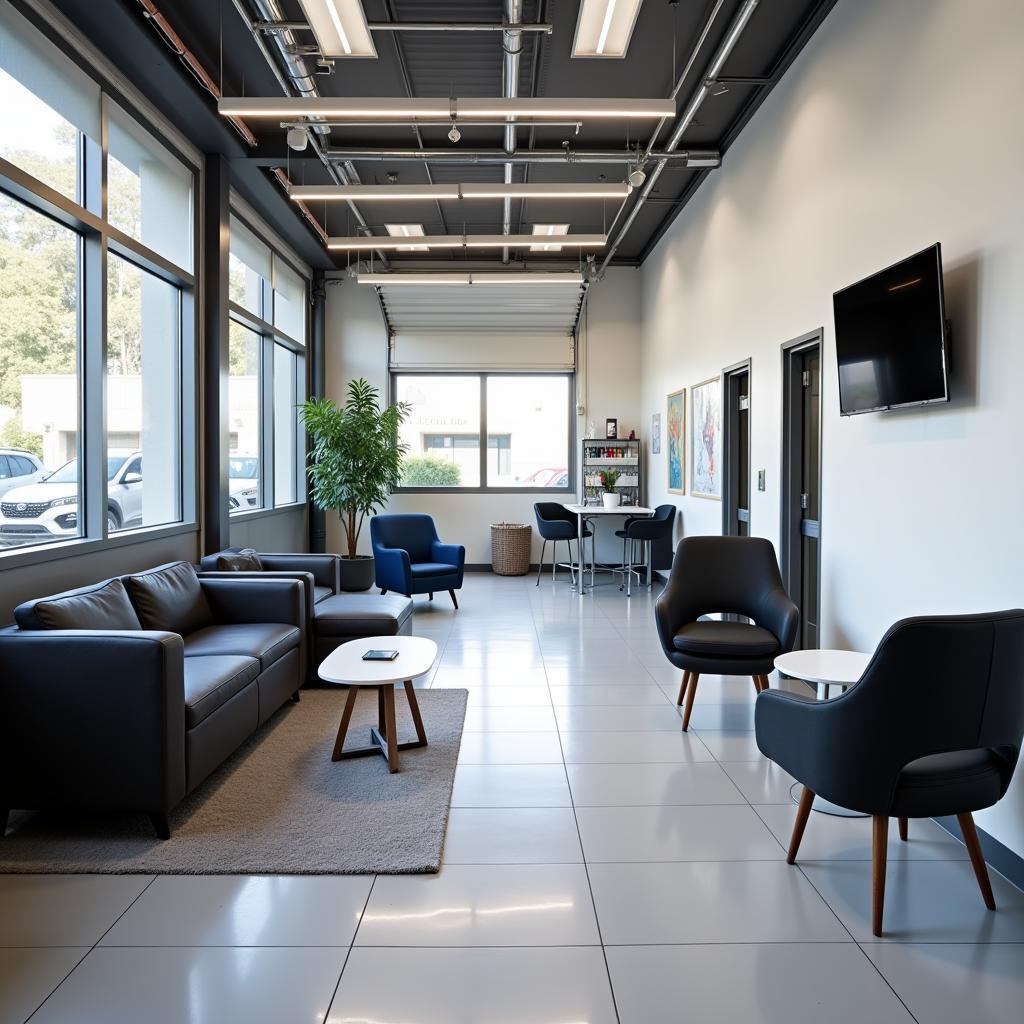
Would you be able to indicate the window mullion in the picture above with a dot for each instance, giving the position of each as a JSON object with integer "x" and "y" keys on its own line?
{"x": 483, "y": 431}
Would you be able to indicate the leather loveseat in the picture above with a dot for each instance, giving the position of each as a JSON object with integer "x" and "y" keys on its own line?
{"x": 127, "y": 694}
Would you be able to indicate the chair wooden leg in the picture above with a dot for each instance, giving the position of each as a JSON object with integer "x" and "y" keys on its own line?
{"x": 904, "y": 826}
{"x": 879, "y": 851}
{"x": 803, "y": 811}
{"x": 684, "y": 685}
{"x": 454, "y": 600}
{"x": 765, "y": 685}
{"x": 757, "y": 683}
{"x": 690, "y": 694}
{"x": 392, "y": 729}
{"x": 346, "y": 717}
{"x": 383, "y": 591}
{"x": 970, "y": 833}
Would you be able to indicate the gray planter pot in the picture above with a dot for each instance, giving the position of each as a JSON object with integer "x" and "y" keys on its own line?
{"x": 357, "y": 573}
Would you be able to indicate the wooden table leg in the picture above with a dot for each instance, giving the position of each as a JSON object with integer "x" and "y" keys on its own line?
{"x": 391, "y": 731}
{"x": 414, "y": 710}
{"x": 381, "y": 722}
{"x": 346, "y": 717}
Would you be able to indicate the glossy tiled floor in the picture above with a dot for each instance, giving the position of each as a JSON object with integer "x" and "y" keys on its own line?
{"x": 600, "y": 867}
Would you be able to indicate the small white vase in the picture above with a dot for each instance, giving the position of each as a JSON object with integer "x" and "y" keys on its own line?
{"x": 611, "y": 499}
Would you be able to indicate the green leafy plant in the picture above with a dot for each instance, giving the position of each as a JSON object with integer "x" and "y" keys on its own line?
{"x": 356, "y": 460}
{"x": 430, "y": 471}
{"x": 609, "y": 478}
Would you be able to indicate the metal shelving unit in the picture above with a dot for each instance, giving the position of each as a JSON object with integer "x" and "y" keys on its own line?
{"x": 623, "y": 456}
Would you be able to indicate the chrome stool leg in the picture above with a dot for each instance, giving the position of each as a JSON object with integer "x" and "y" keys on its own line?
{"x": 540, "y": 563}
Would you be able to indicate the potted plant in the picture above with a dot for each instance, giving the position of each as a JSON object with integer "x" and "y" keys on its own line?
{"x": 355, "y": 464}
{"x": 611, "y": 497}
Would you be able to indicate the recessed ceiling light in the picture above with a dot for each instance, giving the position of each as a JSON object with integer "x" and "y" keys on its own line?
{"x": 605, "y": 27}
{"x": 549, "y": 229}
{"x": 340, "y": 27}
{"x": 407, "y": 231}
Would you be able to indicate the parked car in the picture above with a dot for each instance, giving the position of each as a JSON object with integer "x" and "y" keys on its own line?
{"x": 547, "y": 478}
{"x": 48, "y": 510}
{"x": 18, "y": 468}
{"x": 243, "y": 481}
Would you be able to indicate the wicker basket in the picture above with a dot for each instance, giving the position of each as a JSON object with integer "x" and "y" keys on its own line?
{"x": 510, "y": 548}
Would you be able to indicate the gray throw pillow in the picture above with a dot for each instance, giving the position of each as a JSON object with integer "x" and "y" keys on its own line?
{"x": 246, "y": 560}
{"x": 105, "y": 607}
{"x": 170, "y": 598}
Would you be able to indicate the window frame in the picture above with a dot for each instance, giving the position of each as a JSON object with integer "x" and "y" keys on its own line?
{"x": 263, "y": 325}
{"x": 484, "y": 447}
{"x": 97, "y": 238}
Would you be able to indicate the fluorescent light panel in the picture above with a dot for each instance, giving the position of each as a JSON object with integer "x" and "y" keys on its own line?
{"x": 340, "y": 27}
{"x": 394, "y": 109}
{"x": 549, "y": 229}
{"x": 407, "y": 231}
{"x": 605, "y": 27}
{"x": 368, "y": 242}
{"x": 399, "y": 193}
{"x": 571, "y": 280}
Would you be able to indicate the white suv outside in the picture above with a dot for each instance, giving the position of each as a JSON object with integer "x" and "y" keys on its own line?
{"x": 48, "y": 510}
{"x": 17, "y": 468}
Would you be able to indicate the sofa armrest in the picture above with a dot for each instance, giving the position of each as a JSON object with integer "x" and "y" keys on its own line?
{"x": 255, "y": 598}
{"x": 448, "y": 554}
{"x": 92, "y": 718}
{"x": 393, "y": 568}
{"x": 306, "y": 578}
{"x": 323, "y": 567}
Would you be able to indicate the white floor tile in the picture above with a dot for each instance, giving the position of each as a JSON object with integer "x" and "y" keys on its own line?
{"x": 628, "y": 834}
{"x": 474, "y": 986}
{"x": 28, "y": 976}
{"x": 174, "y": 984}
{"x": 510, "y": 748}
{"x": 737, "y": 716}
{"x": 761, "y": 782}
{"x": 626, "y": 785}
{"x": 619, "y": 719}
{"x": 532, "y": 785}
{"x": 725, "y": 984}
{"x": 674, "y": 747}
{"x": 63, "y": 910}
{"x": 512, "y": 835}
{"x": 246, "y": 910}
{"x": 730, "y": 746}
{"x": 499, "y": 719}
{"x": 482, "y": 905}
{"x": 944, "y": 983}
{"x": 597, "y": 696}
{"x": 753, "y": 901}
{"x": 507, "y": 697}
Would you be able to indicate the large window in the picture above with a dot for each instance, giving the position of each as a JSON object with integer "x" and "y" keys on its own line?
{"x": 97, "y": 313}
{"x": 527, "y": 427}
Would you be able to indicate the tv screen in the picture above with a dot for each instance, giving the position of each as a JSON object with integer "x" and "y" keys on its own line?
{"x": 891, "y": 337}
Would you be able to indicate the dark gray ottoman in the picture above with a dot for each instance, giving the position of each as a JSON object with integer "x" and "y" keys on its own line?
{"x": 345, "y": 617}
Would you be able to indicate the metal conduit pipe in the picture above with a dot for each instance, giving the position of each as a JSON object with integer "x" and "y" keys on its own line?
{"x": 739, "y": 23}
{"x": 694, "y": 157}
{"x": 512, "y": 45}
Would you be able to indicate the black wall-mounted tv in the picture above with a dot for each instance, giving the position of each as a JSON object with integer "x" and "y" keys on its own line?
{"x": 891, "y": 337}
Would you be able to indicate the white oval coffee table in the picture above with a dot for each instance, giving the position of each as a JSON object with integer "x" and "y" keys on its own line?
{"x": 824, "y": 668}
{"x": 344, "y": 666}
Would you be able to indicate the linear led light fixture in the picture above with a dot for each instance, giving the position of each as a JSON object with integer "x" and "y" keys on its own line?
{"x": 366, "y": 242}
{"x": 397, "y": 109}
{"x": 529, "y": 279}
{"x": 340, "y": 27}
{"x": 388, "y": 193}
{"x": 605, "y": 27}
{"x": 549, "y": 230}
{"x": 407, "y": 231}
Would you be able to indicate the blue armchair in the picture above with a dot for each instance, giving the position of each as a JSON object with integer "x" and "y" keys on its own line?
{"x": 410, "y": 558}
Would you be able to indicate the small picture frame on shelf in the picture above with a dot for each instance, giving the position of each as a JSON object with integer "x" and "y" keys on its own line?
{"x": 611, "y": 429}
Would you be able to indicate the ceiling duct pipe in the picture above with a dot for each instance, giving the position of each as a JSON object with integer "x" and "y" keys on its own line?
{"x": 512, "y": 45}
{"x": 738, "y": 24}
{"x": 303, "y": 83}
{"x": 692, "y": 157}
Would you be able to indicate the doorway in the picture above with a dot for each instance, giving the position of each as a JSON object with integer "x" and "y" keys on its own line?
{"x": 736, "y": 446}
{"x": 801, "y": 481}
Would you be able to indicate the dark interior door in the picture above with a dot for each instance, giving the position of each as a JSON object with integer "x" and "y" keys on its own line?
{"x": 736, "y": 504}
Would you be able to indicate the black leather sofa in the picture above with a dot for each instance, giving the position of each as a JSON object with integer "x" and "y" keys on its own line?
{"x": 127, "y": 694}
{"x": 334, "y": 617}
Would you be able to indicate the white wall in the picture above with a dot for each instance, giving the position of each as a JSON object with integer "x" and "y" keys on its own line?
{"x": 899, "y": 125}
{"x": 357, "y": 347}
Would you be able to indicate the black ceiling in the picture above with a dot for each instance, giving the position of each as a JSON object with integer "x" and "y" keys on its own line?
{"x": 459, "y": 64}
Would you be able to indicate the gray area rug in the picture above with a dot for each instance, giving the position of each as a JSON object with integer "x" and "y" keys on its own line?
{"x": 279, "y": 805}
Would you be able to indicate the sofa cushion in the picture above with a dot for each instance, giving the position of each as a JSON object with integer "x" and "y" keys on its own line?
{"x": 361, "y": 615}
{"x": 169, "y": 597}
{"x": 102, "y": 606}
{"x": 212, "y": 681}
{"x": 267, "y": 641}
{"x": 246, "y": 560}
{"x": 432, "y": 569}
{"x": 320, "y": 593}
{"x": 714, "y": 638}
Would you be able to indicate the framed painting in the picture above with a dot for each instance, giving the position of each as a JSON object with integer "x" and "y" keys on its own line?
{"x": 675, "y": 429}
{"x": 706, "y": 439}
{"x": 656, "y": 433}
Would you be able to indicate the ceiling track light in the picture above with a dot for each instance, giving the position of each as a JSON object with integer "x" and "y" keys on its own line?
{"x": 359, "y": 243}
{"x": 400, "y": 193}
{"x": 572, "y": 280}
{"x": 395, "y": 109}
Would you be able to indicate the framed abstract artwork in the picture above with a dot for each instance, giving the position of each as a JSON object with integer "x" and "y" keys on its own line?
{"x": 706, "y": 439}
{"x": 656, "y": 433}
{"x": 675, "y": 430}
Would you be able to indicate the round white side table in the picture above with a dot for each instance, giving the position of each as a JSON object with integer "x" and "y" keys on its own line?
{"x": 344, "y": 666}
{"x": 824, "y": 668}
